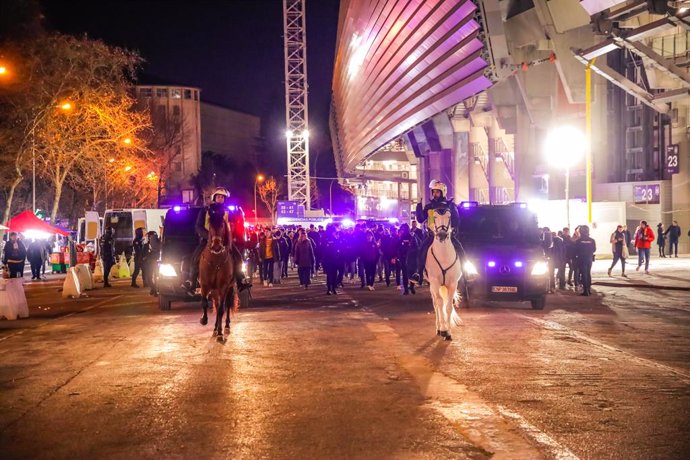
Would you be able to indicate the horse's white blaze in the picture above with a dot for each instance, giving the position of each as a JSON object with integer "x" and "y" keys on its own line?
{"x": 443, "y": 258}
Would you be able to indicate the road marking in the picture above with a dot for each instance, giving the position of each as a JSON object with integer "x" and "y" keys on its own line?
{"x": 554, "y": 326}
{"x": 560, "y": 452}
{"x": 489, "y": 428}
{"x": 96, "y": 305}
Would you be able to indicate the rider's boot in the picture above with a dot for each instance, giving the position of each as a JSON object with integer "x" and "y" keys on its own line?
{"x": 415, "y": 278}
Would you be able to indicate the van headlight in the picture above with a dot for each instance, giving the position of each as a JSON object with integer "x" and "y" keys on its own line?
{"x": 167, "y": 270}
{"x": 470, "y": 269}
{"x": 539, "y": 269}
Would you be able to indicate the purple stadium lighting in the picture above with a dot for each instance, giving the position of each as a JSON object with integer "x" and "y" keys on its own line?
{"x": 347, "y": 223}
{"x": 393, "y": 220}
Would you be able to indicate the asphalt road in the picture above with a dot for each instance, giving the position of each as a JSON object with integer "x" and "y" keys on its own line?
{"x": 358, "y": 375}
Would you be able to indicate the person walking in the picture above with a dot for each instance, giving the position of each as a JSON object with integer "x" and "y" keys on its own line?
{"x": 661, "y": 240}
{"x": 369, "y": 255}
{"x": 406, "y": 247}
{"x": 619, "y": 249}
{"x": 269, "y": 252}
{"x": 585, "y": 247}
{"x": 34, "y": 254}
{"x": 643, "y": 242}
{"x": 107, "y": 254}
{"x": 304, "y": 259}
{"x": 558, "y": 254}
{"x": 14, "y": 256}
{"x": 138, "y": 254}
{"x": 152, "y": 251}
{"x": 673, "y": 234}
{"x": 332, "y": 253}
{"x": 284, "y": 249}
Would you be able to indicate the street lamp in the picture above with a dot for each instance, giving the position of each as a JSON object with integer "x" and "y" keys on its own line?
{"x": 259, "y": 178}
{"x": 564, "y": 147}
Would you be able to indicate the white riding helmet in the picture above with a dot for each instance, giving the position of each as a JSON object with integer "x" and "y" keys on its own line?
{"x": 438, "y": 185}
{"x": 220, "y": 191}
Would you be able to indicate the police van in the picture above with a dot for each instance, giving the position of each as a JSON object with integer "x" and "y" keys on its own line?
{"x": 124, "y": 222}
{"x": 505, "y": 259}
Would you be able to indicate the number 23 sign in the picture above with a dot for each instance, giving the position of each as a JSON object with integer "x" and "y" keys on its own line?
{"x": 672, "y": 166}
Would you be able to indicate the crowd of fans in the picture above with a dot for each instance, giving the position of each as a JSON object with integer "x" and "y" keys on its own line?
{"x": 385, "y": 252}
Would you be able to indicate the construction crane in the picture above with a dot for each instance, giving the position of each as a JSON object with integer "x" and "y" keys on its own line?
{"x": 296, "y": 89}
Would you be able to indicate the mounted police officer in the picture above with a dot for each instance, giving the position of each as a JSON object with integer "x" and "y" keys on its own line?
{"x": 438, "y": 200}
{"x": 201, "y": 227}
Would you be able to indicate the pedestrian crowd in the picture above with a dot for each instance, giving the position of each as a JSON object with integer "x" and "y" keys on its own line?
{"x": 387, "y": 253}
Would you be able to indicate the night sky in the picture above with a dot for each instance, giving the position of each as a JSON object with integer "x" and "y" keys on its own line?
{"x": 231, "y": 49}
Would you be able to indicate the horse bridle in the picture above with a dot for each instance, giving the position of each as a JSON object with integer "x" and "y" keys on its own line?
{"x": 211, "y": 241}
{"x": 438, "y": 229}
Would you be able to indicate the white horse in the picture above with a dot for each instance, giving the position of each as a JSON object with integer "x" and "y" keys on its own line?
{"x": 443, "y": 270}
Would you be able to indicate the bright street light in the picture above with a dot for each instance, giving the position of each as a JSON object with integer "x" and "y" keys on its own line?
{"x": 259, "y": 178}
{"x": 127, "y": 141}
{"x": 564, "y": 148}
{"x": 3, "y": 70}
{"x": 128, "y": 168}
{"x": 305, "y": 133}
{"x": 66, "y": 106}
{"x": 288, "y": 133}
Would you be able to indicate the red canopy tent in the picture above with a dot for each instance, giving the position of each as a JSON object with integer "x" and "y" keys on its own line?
{"x": 27, "y": 220}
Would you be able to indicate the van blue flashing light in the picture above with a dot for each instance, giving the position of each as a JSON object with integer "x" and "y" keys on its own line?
{"x": 518, "y": 264}
{"x": 520, "y": 205}
{"x": 177, "y": 208}
{"x": 468, "y": 204}
{"x": 232, "y": 207}
{"x": 491, "y": 264}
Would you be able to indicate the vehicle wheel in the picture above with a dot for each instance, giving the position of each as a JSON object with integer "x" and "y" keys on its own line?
{"x": 163, "y": 302}
{"x": 538, "y": 303}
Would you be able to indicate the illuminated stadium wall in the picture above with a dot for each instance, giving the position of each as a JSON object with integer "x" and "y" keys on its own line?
{"x": 399, "y": 63}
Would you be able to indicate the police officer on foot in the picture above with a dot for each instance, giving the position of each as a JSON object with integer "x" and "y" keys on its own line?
{"x": 107, "y": 254}
{"x": 585, "y": 248}
{"x": 202, "y": 223}
{"x": 438, "y": 200}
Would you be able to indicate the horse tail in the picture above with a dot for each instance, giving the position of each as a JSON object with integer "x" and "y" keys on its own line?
{"x": 454, "y": 317}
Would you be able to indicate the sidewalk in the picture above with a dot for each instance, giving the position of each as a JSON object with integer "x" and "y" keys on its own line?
{"x": 669, "y": 273}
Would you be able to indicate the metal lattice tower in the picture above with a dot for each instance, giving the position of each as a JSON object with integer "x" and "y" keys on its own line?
{"x": 297, "y": 130}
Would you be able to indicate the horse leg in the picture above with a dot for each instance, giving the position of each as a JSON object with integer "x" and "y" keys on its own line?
{"x": 204, "y": 305}
{"x": 435, "y": 300}
{"x": 219, "y": 318}
{"x": 447, "y": 306}
{"x": 228, "y": 306}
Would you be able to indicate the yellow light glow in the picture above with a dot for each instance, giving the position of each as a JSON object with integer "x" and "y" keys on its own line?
{"x": 127, "y": 140}
{"x": 260, "y": 178}
{"x": 128, "y": 168}
{"x": 3, "y": 70}
{"x": 112, "y": 160}
{"x": 66, "y": 106}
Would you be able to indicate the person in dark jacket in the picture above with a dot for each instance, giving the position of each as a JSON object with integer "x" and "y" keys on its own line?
{"x": 558, "y": 254}
{"x": 673, "y": 234}
{"x": 369, "y": 255}
{"x": 107, "y": 254}
{"x": 618, "y": 243}
{"x": 585, "y": 247}
{"x": 284, "y": 249}
{"x": 14, "y": 256}
{"x": 406, "y": 253}
{"x": 661, "y": 240}
{"x": 304, "y": 258}
{"x": 138, "y": 254}
{"x": 389, "y": 249}
{"x": 34, "y": 254}
{"x": 438, "y": 200}
{"x": 331, "y": 246}
{"x": 152, "y": 250}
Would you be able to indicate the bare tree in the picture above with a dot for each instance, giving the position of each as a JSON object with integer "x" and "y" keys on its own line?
{"x": 268, "y": 192}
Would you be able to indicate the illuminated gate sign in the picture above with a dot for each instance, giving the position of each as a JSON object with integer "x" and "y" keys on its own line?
{"x": 289, "y": 209}
{"x": 672, "y": 165}
{"x": 646, "y": 194}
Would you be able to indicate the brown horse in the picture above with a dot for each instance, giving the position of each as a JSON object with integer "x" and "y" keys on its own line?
{"x": 217, "y": 272}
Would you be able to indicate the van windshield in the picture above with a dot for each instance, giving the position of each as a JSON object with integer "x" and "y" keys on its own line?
{"x": 498, "y": 226}
{"x": 121, "y": 223}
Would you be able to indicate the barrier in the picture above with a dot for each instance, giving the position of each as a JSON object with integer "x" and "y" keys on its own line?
{"x": 71, "y": 287}
{"x": 84, "y": 276}
{"x": 123, "y": 270}
{"x": 13, "y": 303}
{"x": 98, "y": 272}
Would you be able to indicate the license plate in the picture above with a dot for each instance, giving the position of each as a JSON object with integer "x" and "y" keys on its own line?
{"x": 504, "y": 289}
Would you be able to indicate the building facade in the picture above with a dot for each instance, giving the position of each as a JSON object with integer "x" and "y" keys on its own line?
{"x": 231, "y": 133}
{"x": 176, "y": 119}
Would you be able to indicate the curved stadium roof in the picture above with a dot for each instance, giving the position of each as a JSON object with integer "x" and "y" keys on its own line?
{"x": 399, "y": 62}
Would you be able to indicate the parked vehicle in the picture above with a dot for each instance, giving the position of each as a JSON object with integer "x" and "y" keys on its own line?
{"x": 125, "y": 221}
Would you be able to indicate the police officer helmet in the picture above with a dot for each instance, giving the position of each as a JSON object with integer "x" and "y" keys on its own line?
{"x": 220, "y": 191}
{"x": 438, "y": 185}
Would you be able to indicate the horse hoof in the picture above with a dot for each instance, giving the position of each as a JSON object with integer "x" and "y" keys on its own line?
{"x": 203, "y": 321}
{"x": 215, "y": 333}
{"x": 226, "y": 330}
{"x": 443, "y": 333}
{"x": 220, "y": 338}
{"x": 447, "y": 338}
{"x": 438, "y": 332}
